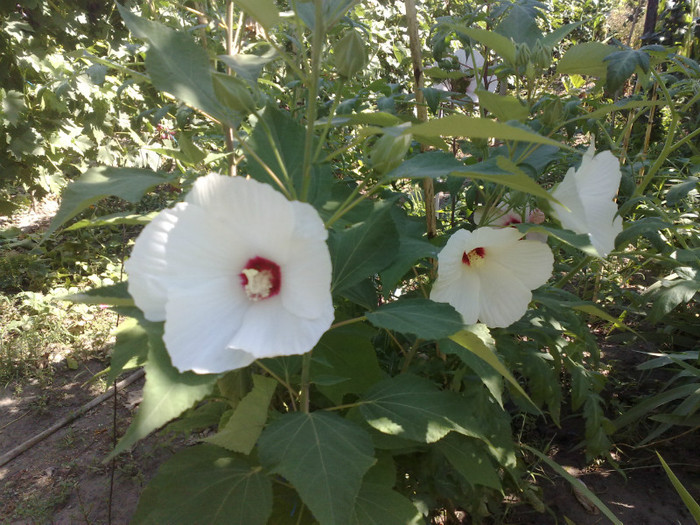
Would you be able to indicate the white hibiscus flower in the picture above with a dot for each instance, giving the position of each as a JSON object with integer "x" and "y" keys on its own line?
{"x": 237, "y": 272}
{"x": 488, "y": 274}
{"x": 588, "y": 193}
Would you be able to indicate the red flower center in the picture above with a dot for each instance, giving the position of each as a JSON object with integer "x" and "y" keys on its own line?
{"x": 261, "y": 278}
{"x": 474, "y": 257}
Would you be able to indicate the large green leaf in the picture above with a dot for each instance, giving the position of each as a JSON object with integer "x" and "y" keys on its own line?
{"x": 130, "y": 348}
{"x": 504, "y": 171}
{"x": 586, "y": 59}
{"x": 380, "y": 505}
{"x": 264, "y": 11}
{"x": 469, "y": 458}
{"x": 347, "y": 355}
{"x": 433, "y": 164}
{"x": 520, "y": 25}
{"x": 324, "y": 456}
{"x": 177, "y": 65}
{"x": 245, "y": 425}
{"x": 502, "y": 45}
{"x": 421, "y": 317}
{"x": 114, "y": 295}
{"x": 504, "y": 107}
{"x": 414, "y": 408}
{"x": 478, "y": 341}
{"x": 166, "y": 394}
{"x": 621, "y": 65}
{"x": 364, "y": 249}
{"x": 478, "y": 128}
{"x": 98, "y": 183}
{"x": 206, "y": 484}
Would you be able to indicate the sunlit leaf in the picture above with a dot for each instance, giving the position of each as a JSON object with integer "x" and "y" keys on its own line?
{"x": 421, "y": 317}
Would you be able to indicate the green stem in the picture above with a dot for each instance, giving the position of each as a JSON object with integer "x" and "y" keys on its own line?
{"x": 411, "y": 354}
{"x": 561, "y": 282}
{"x": 348, "y": 321}
{"x": 281, "y": 381}
{"x": 327, "y": 127}
{"x": 648, "y": 176}
{"x": 311, "y": 107}
{"x": 305, "y": 372}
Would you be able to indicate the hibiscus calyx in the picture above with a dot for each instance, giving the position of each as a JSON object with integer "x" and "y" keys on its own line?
{"x": 261, "y": 278}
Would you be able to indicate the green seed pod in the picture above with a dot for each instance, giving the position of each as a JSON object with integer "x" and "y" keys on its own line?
{"x": 350, "y": 54}
{"x": 390, "y": 149}
{"x": 522, "y": 55}
{"x": 541, "y": 55}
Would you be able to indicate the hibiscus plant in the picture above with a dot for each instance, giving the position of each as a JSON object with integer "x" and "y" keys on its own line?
{"x": 369, "y": 288}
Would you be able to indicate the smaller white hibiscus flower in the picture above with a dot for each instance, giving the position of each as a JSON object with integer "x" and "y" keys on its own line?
{"x": 488, "y": 275}
{"x": 237, "y": 272}
{"x": 588, "y": 193}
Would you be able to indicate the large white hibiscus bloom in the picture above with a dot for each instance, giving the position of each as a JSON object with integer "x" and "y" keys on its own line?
{"x": 237, "y": 272}
{"x": 588, "y": 193}
{"x": 488, "y": 274}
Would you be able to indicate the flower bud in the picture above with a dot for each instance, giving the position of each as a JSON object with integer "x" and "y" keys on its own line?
{"x": 390, "y": 149}
{"x": 522, "y": 55}
{"x": 541, "y": 55}
{"x": 350, "y": 54}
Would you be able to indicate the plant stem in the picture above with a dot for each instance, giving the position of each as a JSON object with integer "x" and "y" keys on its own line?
{"x": 305, "y": 369}
{"x": 311, "y": 107}
{"x": 583, "y": 262}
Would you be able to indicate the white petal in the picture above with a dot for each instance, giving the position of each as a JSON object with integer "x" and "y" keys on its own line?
{"x": 530, "y": 262}
{"x": 306, "y": 279}
{"x": 462, "y": 290}
{"x": 307, "y": 222}
{"x": 147, "y": 265}
{"x": 504, "y": 298}
{"x": 573, "y": 218}
{"x": 259, "y": 213}
{"x": 269, "y": 330}
{"x": 201, "y": 320}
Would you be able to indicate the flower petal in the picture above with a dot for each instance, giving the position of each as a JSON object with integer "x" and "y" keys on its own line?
{"x": 462, "y": 290}
{"x": 306, "y": 280}
{"x": 147, "y": 265}
{"x": 504, "y": 298}
{"x": 531, "y": 262}
{"x": 201, "y": 321}
{"x": 269, "y": 330}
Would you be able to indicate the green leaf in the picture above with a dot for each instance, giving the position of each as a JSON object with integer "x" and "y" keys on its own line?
{"x": 95, "y": 184}
{"x": 486, "y": 374}
{"x": 364, "y": 249}
{"x": 378, "y": 118}
{"x": 580, "y": 241}
{"x": 621, "y": 105}
{"x": 130, "y": 348}
{"x": 520, "y": 25}
{"x": 556, "y": 36}
{"x": 245, "y": 425}
{"x": 651, "y": 403}
{"x": 113, "y": 295}
{"x": 166, "y": 394}
{"x": 478, "y": 341}
{"x": 380, "y": 505}
{"x": 324, "y": 456}
{"x": 498, "y": 43}
{"x": 640, "y": 227}
{"x": 506, "y": 173}
{"x": 679, "y": 191}
{"x": 586, "y": 59}
{"x": 114, "y": 219}
{"x": 622, "y": 64}
{"x": 248, "y": 66}
{"x": 669, "y": 295}
{"x": 688, "y": 500}
{"x": 504, "y": 107}
{"x": 264, "y": 11}
{"x": 346, "y": 352}
{"x": 421, "y": 317}
{"x": 414, "y": 408}
{"x": 575, "y": 483}
{"x": 177, "y": 65}
{"x": 478, "y": 128}
{"x": 433, "y": 164}
{"x": 206, "y": 484}
{"x": 469, "y": 458}
{"x": 331, "y": 11}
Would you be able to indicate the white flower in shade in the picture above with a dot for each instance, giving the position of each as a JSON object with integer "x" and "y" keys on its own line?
{"x": 237, "y": 272}
{"x": 466, "y": 65}
{"x": 488, "y": 274}
{"x": 588, "y": 193}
